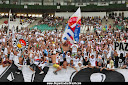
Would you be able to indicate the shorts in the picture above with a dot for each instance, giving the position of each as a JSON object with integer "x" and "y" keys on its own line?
{"x": 50, "y": 61}
{"x": 56, "y": 65}
{"x": 61, "y": 63}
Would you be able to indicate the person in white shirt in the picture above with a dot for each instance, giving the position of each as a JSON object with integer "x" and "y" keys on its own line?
{"x": 68, "y": 57}
{"x": 18, "y": 63}
{"x": 36, "y": 59}
{"x": 74, "y": 48}
{"x": 80, "y": 63}
{"x": 5, "y": 50}
{"x": 58, "y": 59}
{"x": 92, "y": 60}
{"x": 42, "y": 65}
{"x": 75, "y": 61}
{"x": 11, "y": 56}
{"x": 85, "y": 53}
{"x": 61, "y": 59}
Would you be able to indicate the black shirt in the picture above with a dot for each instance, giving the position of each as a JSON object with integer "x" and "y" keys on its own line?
{"x": 0, "y": 60}
{"x": 85, "y": 62}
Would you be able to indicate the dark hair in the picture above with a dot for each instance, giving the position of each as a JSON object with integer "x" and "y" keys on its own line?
{"x": 42, "y": 58}
{"x": 121, "y": 55}
{"x": 45, "y": 54}
{"x": 102, "y": 58}
{"x": 64, "y": 59}
{"x": 107, "y": 62}
{"x": 30, "y": 47}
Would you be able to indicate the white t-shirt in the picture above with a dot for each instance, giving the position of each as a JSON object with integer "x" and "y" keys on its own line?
{"x": 109, "y": 54}
{"x": 92, "y": 61}
{"x": 85, "y": 53}
{"x": 81, "y": 60}
{"x": 75, "y": 61}
{"x": 4, "y": 59}
{"x": 57, "y": 59}
{"x": 4, "y": 40}
{"x": 61, "y": 58}
{"x": 0, "y": 40}
{"x": 68, "y": 59}
{"x": 82, "y": 42}
{"x": 59, "y": 49}
{"x": 19, "y": 54}
{"x": 74, "y": 48}
{"x": 40, "y": 54}
{"x": 36, "y": 59}
{"x": 31, "y": 55}
{"x": 5, "y": 51}
{"x": 11, "y": 56}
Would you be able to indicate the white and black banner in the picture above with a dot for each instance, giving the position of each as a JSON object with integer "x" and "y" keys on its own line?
{"x": 121, "y": 46}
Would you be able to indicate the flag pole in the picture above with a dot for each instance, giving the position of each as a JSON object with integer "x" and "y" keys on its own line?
{"x": 8, "y": 23}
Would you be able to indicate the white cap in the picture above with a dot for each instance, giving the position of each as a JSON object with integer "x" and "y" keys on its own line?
{"x": 75, "y": 42}
{"x": 80, "y": 62}
{"x": 54, "y": 52}
{"x": 53, "y": 44}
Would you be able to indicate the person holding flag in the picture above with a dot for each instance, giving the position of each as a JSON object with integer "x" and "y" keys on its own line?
{"x": 72, "y": 30}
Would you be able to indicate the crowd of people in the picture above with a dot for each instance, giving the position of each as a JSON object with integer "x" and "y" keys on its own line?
{"x": 94, "y": 49}
{"x": 52, "y": 21}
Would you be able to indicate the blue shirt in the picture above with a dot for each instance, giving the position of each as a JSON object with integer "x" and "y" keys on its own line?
{"x": 46, "y": 52}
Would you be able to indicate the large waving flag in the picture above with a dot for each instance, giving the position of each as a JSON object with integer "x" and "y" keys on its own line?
{"x": 72, "y": 29}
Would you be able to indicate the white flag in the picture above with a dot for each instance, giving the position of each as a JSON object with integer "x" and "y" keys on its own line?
{"x": 72, "y": 28}
{"x": 8, "y": 23}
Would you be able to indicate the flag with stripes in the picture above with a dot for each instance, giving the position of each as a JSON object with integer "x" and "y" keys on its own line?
{"x": 72, "y": 29}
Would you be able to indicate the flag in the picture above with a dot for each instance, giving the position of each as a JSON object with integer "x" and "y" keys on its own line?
{"x": 8, "y": 23}
{"x": 72, "y": 28}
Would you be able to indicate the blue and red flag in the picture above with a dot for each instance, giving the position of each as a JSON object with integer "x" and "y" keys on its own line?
{"x": 72, "y": 29}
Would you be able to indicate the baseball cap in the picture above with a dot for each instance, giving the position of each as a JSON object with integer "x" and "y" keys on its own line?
{"x": 54, "y": 52}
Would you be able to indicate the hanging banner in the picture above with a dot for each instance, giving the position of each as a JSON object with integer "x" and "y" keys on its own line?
{"x": 121, "y": 46}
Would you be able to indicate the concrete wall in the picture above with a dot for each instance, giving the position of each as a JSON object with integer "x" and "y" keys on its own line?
{"x": 86, "y": 14}
{"x": 125, "y": 13}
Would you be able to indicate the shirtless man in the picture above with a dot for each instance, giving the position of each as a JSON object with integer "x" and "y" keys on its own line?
{"x": 65, "y": 46}
{"x": 65, "y": 64}
{"x": 56, "y": 65}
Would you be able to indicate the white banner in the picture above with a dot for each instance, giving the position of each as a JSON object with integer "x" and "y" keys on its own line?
{"x": 121, "y": 46}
